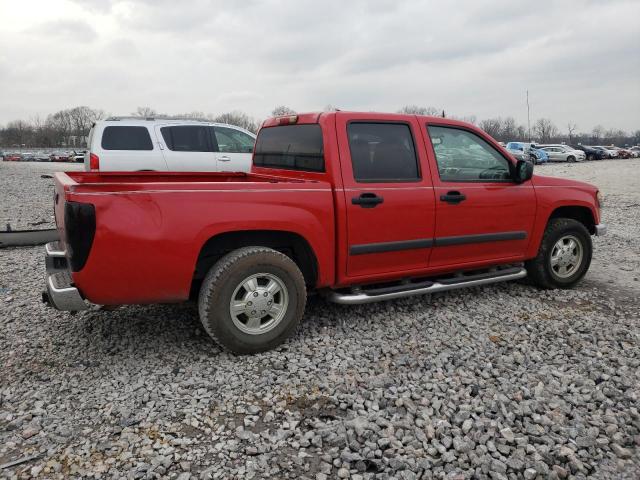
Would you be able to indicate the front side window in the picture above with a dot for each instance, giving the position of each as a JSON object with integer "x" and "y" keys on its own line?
{"x": 290, "y": 147}
{"x": 233, "y": 141}
{"x": 382, "y": 152}
{"x": 187, "y": 138}
{"x": 463, "y": 156}
{"x": 126, "y": 138}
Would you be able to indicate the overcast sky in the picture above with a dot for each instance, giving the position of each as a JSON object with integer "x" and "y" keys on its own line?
{"x": 580, "y": 59}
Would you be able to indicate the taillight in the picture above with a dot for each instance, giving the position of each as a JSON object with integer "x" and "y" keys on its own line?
{"x": 80, "y": 228}
{"x": 94, "y": 162}
{"x": 288, "y": 120}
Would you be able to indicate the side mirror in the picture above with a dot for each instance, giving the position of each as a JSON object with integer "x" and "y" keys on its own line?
{"x": 524, "y": 171}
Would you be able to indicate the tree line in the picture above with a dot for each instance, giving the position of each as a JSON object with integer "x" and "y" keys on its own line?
{"x": 543, "y": 130}
{"x": 69, "y": 128}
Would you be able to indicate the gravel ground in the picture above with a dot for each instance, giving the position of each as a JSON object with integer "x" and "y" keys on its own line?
{"x": 26, "y": 198}
{"x": 498, "y": 382}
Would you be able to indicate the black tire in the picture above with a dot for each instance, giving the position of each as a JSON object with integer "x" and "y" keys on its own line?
{"x": 539, "y": 268}
{"x": 571, "y": 159}
{"x": 220, "y": 284}
{"x": 590, "y": 157}
{"x": 533, "y": 159}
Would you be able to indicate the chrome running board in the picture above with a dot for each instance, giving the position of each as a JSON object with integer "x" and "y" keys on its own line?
{"x": 361, "y": 295}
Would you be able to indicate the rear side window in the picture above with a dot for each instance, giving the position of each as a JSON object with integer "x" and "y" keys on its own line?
{"x": 382, "y": 152}
{"x": 291, "y": 147}
{"x": 187, "y": 138}
{"x": 126, "y": 138}
{"x": 233, "y": 141}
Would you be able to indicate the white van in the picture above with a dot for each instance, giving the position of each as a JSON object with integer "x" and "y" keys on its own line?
{"x": 134, "y": 144}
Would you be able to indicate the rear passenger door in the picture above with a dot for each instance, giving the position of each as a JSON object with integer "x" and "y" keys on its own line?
{"x": 388, "y": 195}
{"x": 234, "y": 149}
{"x": 187, "y": 148}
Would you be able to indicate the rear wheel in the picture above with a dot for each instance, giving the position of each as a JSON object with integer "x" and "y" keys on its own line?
{"x": 252, "y": 299}
{"x": 564, "y": 255}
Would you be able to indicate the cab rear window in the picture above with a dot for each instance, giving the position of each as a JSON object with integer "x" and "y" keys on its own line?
{"x": 290, "y": 147}
{"x": 126, "y": 138}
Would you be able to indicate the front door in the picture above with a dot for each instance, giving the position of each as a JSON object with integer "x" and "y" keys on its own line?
{"x": 234, "y": 149}
{"x": 555, "y": 154}
{"x": 388, "y": 195}
{"x": 482, "y": 216}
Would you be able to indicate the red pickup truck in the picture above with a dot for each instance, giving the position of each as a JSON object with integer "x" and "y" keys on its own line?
{"x": 359, "y": 207}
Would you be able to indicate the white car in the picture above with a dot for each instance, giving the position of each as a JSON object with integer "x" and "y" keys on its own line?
{"x": 135, "y": 144}
{"x": 563, "y": 153}
{"x": 609, "y": 151}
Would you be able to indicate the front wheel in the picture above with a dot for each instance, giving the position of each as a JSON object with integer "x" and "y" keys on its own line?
{"x": 564, "y": 255}
{"x": 571, "y": 159}
{"x": 252, "y": 299}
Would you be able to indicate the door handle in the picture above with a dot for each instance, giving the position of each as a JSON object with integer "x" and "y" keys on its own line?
{"x": 453, "y": 197}
{"x": 224, "y": 159}
{"x": 367, "y": 200}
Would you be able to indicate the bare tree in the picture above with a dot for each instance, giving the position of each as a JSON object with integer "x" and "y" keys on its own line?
{"x": 509, "y": 130}
{"x": 416, "y": 110}
{"x": 239, "y": 119}
{"x": 493, "y": 126}
{"x": 282, "y": 110}
{"x": 571, "y": 128}
{"x": 545, "y": 130}
{"x": 145, "y": 112}
{"x": 597, "y": 133}
{"x": 82, "y": 118}
{"x": 17, "y": 133}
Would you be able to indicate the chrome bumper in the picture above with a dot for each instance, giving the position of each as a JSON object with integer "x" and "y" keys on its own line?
{"x": 60, "y": 292}
{"x": 601, "y": 229}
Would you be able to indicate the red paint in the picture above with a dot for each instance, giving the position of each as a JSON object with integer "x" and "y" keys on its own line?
{"x": 151, "y": 226}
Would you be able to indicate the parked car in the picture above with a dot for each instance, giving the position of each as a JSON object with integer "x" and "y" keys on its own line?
{"x": 168, "y": 145}
{"x": 42, "y": 157}
{"x": 59, "y": 157}
{"x": 2, "y": 154}
{"x": 605, "y": 152}
{"x": 29, "y": 157}
{"x": 13, "y": 157}
{"x": 611, "y": 151}
{"x": 360, "y": 207}
{"x": 590, "y": 152}
{"x": 528, "y": 151}
{"x": 563, "y": 153}
{"x": 78, "y": 157}
{"x": 624, "y": 153}
{"x": 635, "y": 151}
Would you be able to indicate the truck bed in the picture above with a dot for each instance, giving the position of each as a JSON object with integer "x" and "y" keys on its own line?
{"x": 150, "y": 227}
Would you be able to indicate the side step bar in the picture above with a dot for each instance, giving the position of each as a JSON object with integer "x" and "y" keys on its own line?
{"x": 399, "y": 291}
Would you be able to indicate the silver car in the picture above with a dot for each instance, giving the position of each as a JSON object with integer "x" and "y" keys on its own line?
{"x": 563, "y": 153}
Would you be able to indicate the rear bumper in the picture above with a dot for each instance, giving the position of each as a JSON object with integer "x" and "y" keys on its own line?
{"x": 60, "y": 292}
{"x": 601, "y": 229}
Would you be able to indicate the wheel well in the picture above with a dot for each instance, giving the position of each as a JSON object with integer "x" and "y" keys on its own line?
{"x": 291, "y": 244}
{"x": 581, "y": 214}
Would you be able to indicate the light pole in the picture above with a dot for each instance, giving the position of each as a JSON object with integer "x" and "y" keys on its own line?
{"x": 528, "y": 117}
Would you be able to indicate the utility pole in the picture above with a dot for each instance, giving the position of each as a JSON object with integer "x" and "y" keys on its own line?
{"x": 528, "y": 117}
